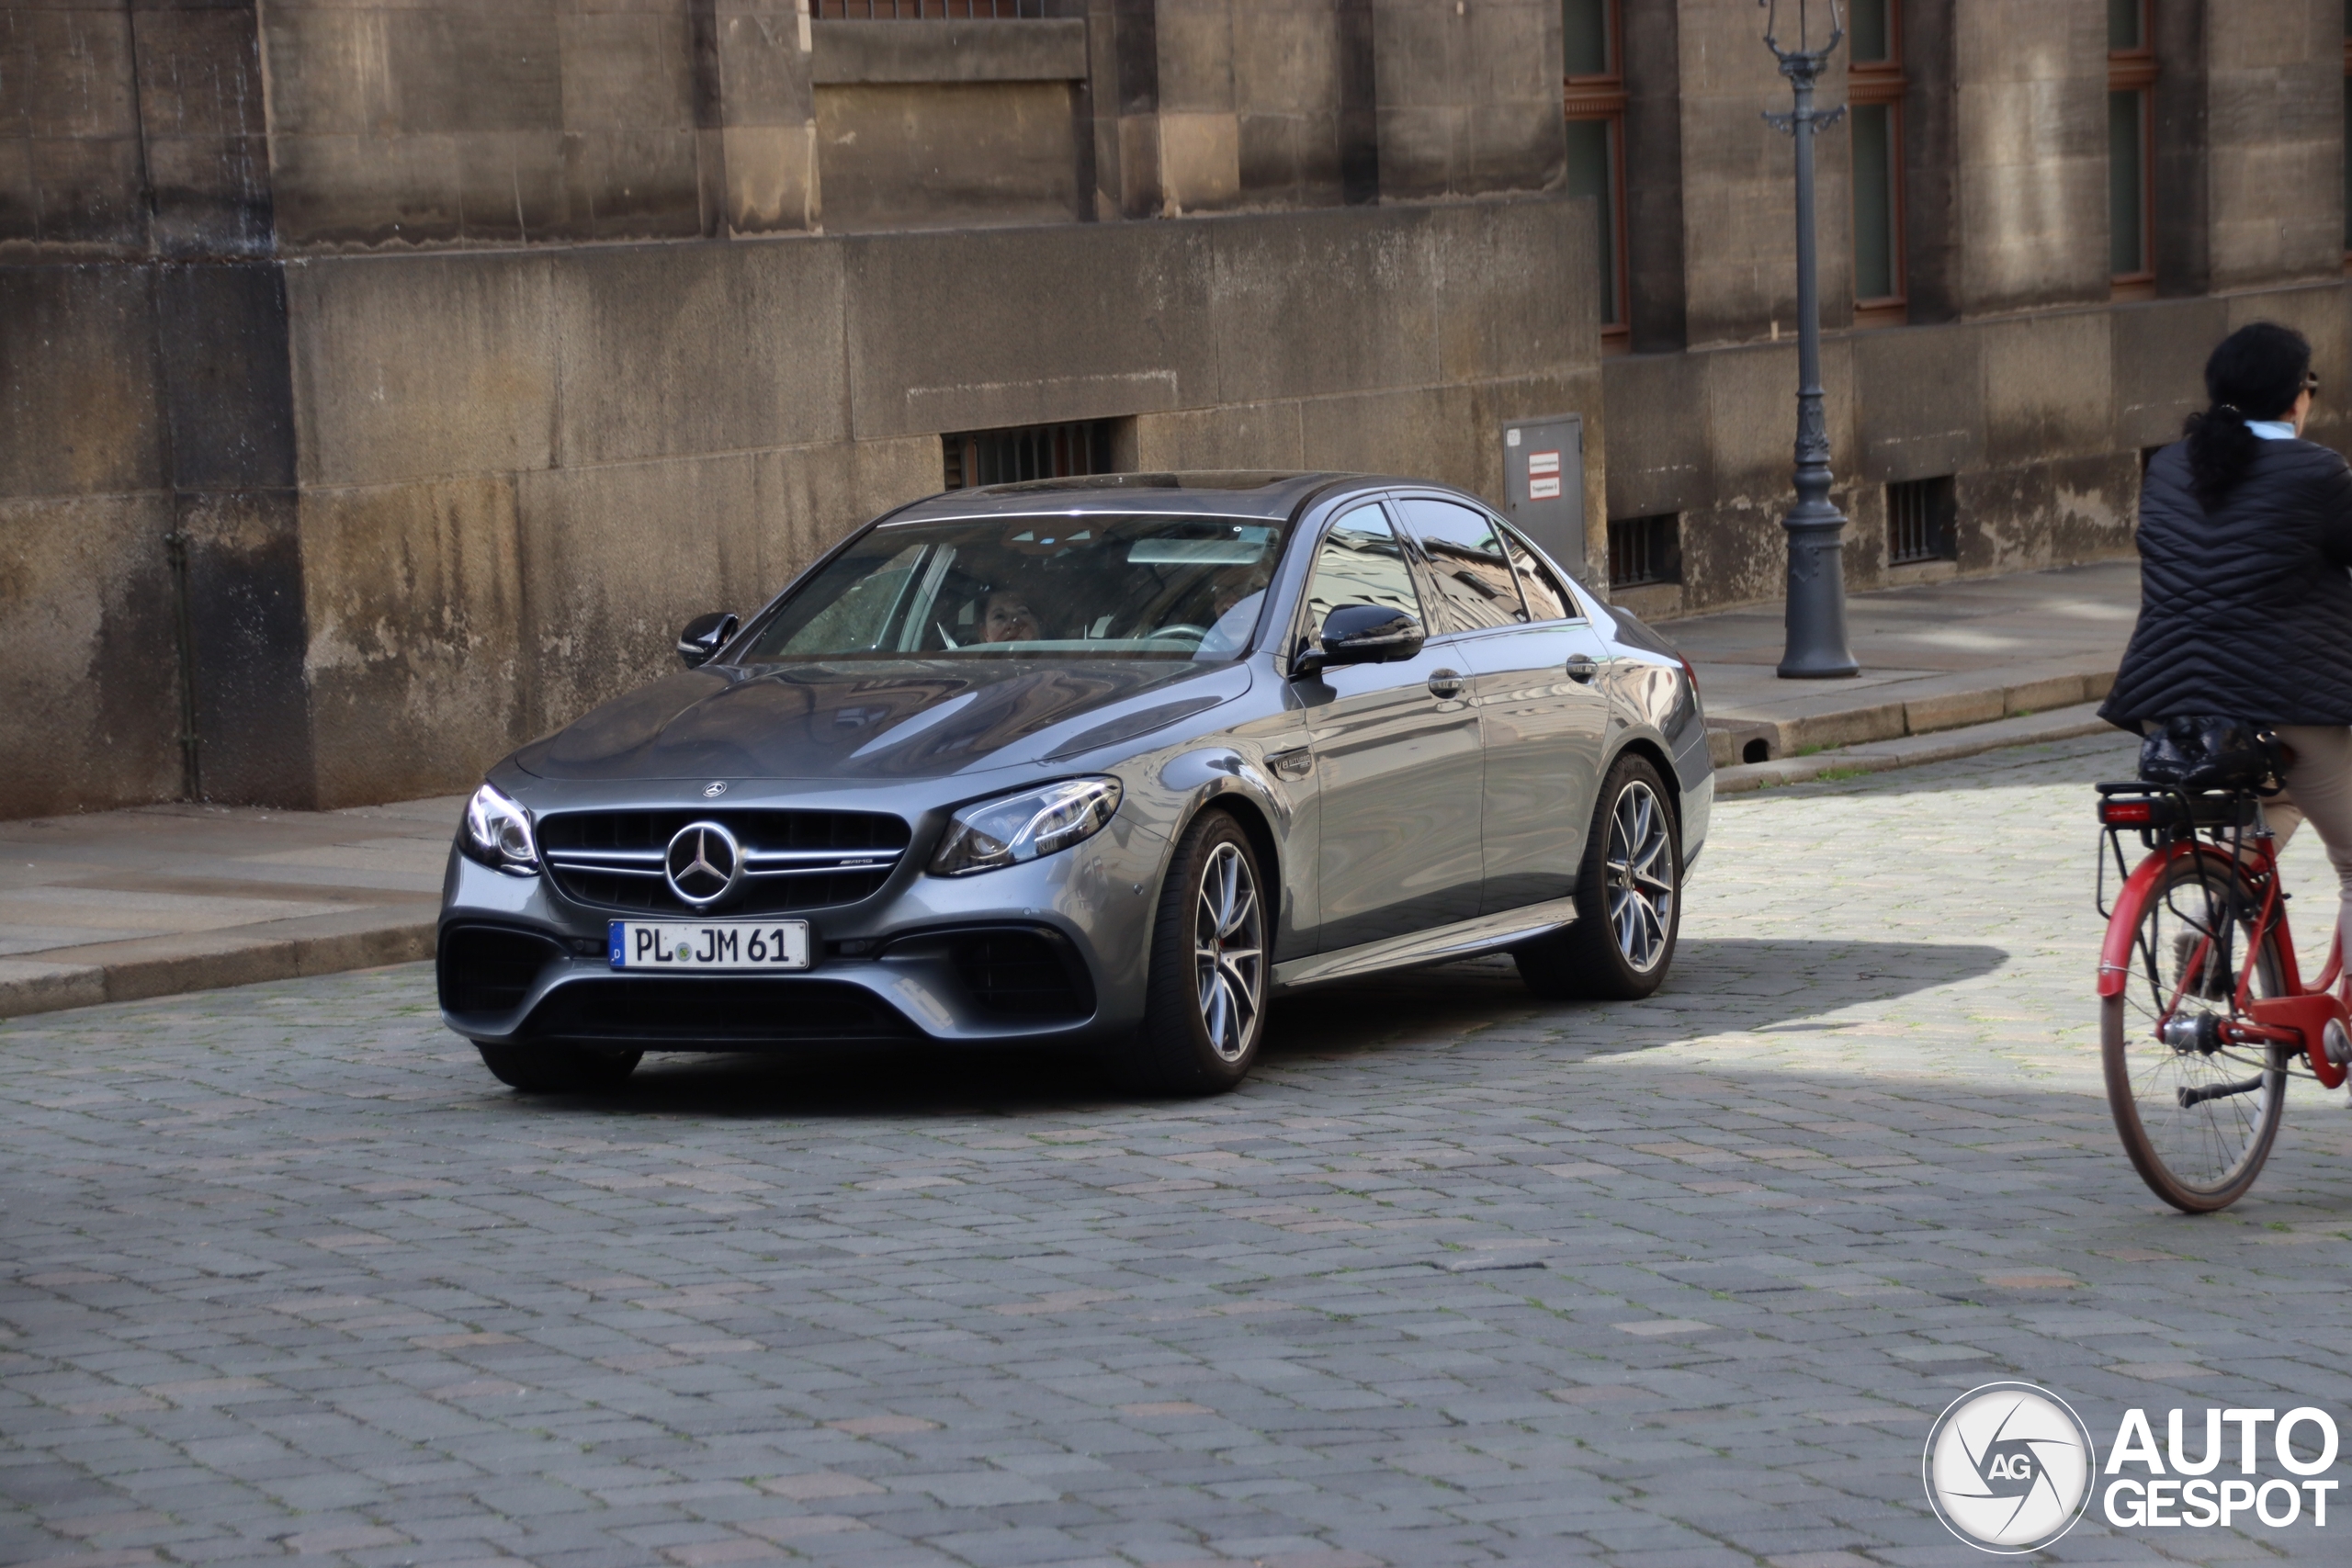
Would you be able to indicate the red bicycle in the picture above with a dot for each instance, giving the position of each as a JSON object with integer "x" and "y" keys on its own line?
{"x": 2203, "y": 1012}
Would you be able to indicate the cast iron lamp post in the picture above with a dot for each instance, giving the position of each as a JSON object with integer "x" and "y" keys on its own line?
{"x": 1816, "y": 609}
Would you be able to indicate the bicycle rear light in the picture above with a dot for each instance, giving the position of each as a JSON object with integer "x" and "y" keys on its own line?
{"x": 2127, "y": 813}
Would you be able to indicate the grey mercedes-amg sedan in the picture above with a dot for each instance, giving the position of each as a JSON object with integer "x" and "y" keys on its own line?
{"x": 1105, "y": 762}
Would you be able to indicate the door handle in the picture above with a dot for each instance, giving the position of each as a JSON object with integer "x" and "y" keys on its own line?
{"x": 1445, "y": 684}
{"x": 1581, "y": 669}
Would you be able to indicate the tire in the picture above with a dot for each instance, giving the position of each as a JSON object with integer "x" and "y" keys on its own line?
{"x": 557, "y": 1069}
{"x": 1204, "y": 1006}
{"x": 2203, "y": 1157}
{"x": 1628, "y": 897}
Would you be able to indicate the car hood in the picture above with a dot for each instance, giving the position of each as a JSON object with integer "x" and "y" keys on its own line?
{"x": 903, "y": 719}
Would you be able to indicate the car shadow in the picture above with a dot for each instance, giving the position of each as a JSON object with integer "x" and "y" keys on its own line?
{"x": 1720, "y": 984}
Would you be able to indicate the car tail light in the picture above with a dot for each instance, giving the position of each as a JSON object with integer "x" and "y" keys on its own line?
{"x": 2127, "y": 813}
{"x": 1693, "y": 674}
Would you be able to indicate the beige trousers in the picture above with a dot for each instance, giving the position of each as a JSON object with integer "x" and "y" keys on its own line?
{"x": 2319, "y": 789}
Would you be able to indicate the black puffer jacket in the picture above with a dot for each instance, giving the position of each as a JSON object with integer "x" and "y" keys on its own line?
{"x": 2246, "y": 611}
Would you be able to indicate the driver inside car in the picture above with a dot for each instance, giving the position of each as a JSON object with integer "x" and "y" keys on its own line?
{"x": 1006, "y": 618}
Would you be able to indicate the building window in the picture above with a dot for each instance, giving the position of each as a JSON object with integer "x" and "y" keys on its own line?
{"x": 1921, "y": 515}
{"x": 1028, "y": 452}
{"x": 1595, "y": 99}
{"x": 2131, "y": 137}
{"x": 1645, "y": 549}
{"x": 1875, "y": 85}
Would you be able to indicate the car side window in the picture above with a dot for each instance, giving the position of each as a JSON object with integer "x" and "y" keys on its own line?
{"x": 1361, "y": 561}
{"x": 1467, "y": 562}
{"x": 1547, "y": 599}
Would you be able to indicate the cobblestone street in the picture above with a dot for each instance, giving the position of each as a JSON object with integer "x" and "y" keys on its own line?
{"x": 1459, "y": 1277}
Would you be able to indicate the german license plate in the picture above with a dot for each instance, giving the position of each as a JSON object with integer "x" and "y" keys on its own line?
{"x": 675, "y": 945}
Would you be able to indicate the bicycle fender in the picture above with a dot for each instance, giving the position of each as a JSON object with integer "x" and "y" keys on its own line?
{"x": 2115, "y": 955}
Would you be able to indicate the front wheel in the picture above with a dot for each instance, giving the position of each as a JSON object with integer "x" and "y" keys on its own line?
{"x": 2196, "y": 1115}
{"x": 1204, "y": 1011}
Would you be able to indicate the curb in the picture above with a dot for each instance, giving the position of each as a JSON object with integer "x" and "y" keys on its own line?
{"x": 162, "y": 966}
{"x": 1917, "y": 751}
{"x": 1927, "y": 713}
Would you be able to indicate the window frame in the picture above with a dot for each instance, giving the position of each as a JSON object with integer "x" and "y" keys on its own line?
{"x": 1435, "y": 593}
{"x": 2134, "y": 71}
{"x": 1885, "y": 83}
{"x": 1600, "y": 97}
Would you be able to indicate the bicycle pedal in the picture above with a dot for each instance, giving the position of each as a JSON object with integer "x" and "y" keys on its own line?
{"x": 2338, "y": 1043}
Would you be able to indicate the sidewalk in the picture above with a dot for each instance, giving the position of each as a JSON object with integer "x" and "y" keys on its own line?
{"x": 1934, "y": 658}
{"x": 121, "y": 905}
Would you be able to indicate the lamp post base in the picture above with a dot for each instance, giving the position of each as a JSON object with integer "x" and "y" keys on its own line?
{"x": 1815, "y": 617}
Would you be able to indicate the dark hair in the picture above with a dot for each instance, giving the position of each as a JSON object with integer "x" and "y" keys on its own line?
{"x": 2256, "y": 373}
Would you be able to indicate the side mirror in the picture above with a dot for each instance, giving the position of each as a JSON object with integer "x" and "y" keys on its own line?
{"x": 705, "y": 635}
{"x": 1361, "y": 634}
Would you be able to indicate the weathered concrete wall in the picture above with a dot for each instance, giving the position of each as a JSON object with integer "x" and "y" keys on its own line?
{"x": 521, "y": 472}
{"x": 1468, "y": 97}
{"x": 1738, "y": 235}
{"x": 2030, "y": 154}
{"x": 2273, "y": 121}
{"x": 89, "y": 703}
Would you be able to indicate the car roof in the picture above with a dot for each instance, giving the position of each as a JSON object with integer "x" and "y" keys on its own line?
{"x": 1215, "y": 493}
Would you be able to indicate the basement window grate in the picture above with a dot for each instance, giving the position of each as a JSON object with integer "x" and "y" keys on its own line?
{"x": 1645, "y": 549}
{"x": 1919, "y": 517}
{"x": 1028, "y": 452}
{"x": 928, "y": 10}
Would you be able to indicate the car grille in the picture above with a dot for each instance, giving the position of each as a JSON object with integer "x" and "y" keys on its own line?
{"x": 792, "y": 860}
{"x": 714, "y": 1012}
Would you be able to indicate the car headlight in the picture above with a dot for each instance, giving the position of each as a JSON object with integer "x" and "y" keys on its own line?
{"x": 993, "y": 834}
{"x": 498, "y": 833}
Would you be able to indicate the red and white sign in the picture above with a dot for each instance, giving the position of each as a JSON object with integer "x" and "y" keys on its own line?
{"x": 1543, "y": 476}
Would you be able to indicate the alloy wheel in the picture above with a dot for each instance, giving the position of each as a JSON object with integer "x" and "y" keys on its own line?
{"x": 1229, "y": 952}
{"x": 1641, "y": 876}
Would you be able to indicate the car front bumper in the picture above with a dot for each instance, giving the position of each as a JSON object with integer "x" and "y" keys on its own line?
{"x": 1055, "y": 950}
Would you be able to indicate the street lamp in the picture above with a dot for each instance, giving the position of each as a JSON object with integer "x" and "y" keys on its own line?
{"x": 1817, "y": 610}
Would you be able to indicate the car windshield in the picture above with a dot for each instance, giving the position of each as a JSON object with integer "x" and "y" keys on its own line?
{"x": 1094, "y": 585}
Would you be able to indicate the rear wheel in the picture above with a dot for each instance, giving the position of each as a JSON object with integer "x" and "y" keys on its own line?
{"x": 557, "y": 1069}
{"x": 1204, "y": 1012}
{"x": 2198, "y": 1116}
{"x": 1629, "y": 896}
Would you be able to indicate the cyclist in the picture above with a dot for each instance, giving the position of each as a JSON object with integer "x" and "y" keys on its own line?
{"x": 2245, "y": 606}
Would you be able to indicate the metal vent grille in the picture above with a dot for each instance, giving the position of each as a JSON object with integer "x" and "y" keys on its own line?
{"x": 1919, "y": 515}
{"x": 1028, "y": 452}
{"x": 1645, "y": 549}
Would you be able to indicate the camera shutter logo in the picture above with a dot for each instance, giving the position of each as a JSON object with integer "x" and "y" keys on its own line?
{"x": 702, "y": 863}
{"x": 2009, "y": 1467}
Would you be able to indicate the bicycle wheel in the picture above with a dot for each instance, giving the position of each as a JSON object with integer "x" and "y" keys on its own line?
{"x": 2196, "y": 1115}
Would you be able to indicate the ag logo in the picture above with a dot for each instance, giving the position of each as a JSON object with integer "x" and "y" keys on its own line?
{"x": 2008, "y": 1467}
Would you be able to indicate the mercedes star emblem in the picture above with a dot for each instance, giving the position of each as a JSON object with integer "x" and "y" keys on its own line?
{"x": 714, "y": 789}
{"x": 703, "y": 864}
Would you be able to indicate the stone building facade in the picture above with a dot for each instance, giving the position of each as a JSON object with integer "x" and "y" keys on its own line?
{"x": 384, "y": 382}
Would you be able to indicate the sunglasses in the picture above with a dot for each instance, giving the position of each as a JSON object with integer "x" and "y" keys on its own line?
{"x": 2310, "y": 382}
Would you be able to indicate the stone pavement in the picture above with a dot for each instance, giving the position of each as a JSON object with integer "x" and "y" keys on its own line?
{"x": 117, "y": 906}
{"x": 1460, "y": 1276}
